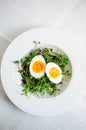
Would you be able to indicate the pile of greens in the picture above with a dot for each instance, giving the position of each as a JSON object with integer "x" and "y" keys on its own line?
{"x": 42, "y": 85}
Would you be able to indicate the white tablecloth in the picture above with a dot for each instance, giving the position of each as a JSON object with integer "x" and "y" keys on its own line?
{"x": 69, "y": 17}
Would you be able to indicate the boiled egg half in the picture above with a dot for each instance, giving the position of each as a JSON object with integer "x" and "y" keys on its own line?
{"x": 37, "y": 66}
{"x": 54, "y": 72}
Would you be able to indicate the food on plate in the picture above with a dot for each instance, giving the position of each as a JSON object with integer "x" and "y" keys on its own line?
{"x": 45, "y": 71}
{"x": 54, "y": 72}
{"x": 37, "y": 66}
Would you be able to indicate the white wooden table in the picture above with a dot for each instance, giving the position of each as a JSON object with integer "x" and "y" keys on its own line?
{"x": 69, "y": 17}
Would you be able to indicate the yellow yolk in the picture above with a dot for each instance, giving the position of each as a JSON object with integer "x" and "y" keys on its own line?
{"x": 38, "y": 66}
{"x": 54, "y": 72}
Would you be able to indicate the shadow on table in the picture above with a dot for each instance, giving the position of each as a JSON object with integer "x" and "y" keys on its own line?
{"x": 14, "y": 33}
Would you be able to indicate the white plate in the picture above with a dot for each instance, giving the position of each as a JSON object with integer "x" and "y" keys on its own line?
{"x": 11, "y": 79}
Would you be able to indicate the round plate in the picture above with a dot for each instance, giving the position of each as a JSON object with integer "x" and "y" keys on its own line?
{"x": 11, "y": 79}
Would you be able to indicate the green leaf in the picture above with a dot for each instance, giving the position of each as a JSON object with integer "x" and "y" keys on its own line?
{"x": 36, "y": 42}
{"x": 46, "y": 50}
{"x": 16, "y": 62}
{"x": 23, "y": 59}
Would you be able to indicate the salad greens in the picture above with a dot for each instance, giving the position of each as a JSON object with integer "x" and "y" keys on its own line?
{"x": 42, "y": 85}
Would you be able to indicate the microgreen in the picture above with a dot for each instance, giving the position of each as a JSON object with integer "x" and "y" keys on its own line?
{"x": 42, "y": 85}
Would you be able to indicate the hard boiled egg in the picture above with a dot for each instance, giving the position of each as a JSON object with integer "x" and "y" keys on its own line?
{"x": 37, "y": 66}
{"x": 54, "y": 72}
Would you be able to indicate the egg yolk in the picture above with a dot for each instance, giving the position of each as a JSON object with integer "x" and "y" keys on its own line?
{"x": 54, "y": 72}
{"x": 38, "y": 66}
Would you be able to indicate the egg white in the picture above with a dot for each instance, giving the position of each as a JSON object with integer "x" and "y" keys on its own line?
{"x": 34, "y": 74}
{"x": 48, "y": 67}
